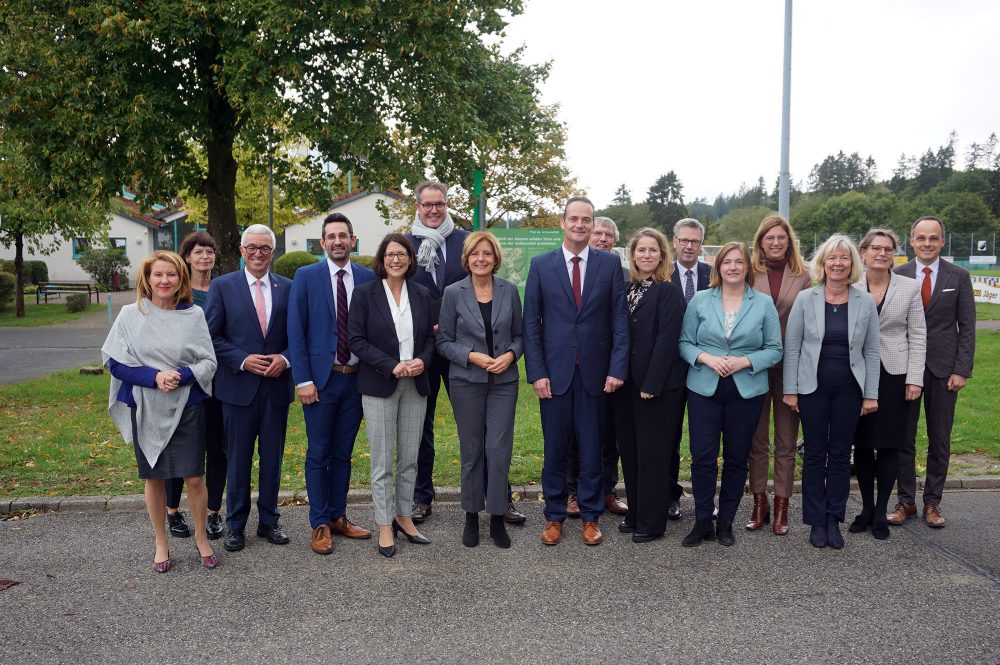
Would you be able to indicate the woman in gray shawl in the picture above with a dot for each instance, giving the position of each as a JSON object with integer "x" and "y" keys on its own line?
{"x": 162, "y": 362}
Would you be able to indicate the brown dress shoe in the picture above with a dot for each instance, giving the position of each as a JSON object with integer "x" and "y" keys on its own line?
{"x": 592, "y": 534}
{"x": 572, "y": 507}
{"x": 902, "y": 513}
{"x": 779, "y": 526}
{"x": 322, "y": 543}
{"x": 552, "y": 533}
{"x": 345, "y": 527}
{"x": 761, "y": 513}
{"x": 614, "y": 504}
{"x": 932, "y": 517}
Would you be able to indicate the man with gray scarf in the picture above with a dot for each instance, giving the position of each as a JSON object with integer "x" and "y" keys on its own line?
{"x": 438, "y": 246}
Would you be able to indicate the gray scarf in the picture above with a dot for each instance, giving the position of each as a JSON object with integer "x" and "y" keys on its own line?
{"x": 162, "y": 339}
{"x": 427, "y": 257}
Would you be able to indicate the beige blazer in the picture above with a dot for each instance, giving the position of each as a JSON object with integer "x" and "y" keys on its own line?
{"x": 790, "y": 287}
{"x": 902, "y": 330}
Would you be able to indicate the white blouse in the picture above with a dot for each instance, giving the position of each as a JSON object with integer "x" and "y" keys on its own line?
{"x": 402, "y": 319}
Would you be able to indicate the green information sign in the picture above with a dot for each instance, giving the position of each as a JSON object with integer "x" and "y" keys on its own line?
{"x": 519, "y": 245}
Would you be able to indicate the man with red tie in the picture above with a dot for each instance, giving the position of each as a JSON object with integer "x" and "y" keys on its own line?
{"x": 950, "y": 312}
{"x": 325, "y": 373}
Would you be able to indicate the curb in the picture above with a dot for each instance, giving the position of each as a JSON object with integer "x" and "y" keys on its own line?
{"x": 136, "y": 502}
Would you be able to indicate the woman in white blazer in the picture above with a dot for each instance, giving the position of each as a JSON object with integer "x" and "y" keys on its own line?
{"x": 902, "y": 346}
{"x": 831, "y": 379}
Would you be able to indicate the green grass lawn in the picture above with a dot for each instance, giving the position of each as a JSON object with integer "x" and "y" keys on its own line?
{"x": 43, "y": 315}
{"x": 987, "y": 311}
{"x": 990, "y": 272}
{"x": 57, "y": 438}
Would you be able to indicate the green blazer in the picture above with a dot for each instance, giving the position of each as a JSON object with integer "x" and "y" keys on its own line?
{"x": 756, "y": 335}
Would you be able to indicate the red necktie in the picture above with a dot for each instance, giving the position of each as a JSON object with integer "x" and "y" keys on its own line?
{"x": 343, "y": 354}
{"x": 576, "y": 280}
{"x": 925, "y": 288}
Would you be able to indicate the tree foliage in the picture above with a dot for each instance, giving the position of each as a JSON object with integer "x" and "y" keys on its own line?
{"x": 665, "y": 200}
{"x": 841, "y": 173}
{"x": 389, "y": 91}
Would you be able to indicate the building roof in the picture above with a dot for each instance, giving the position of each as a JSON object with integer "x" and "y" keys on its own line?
{"x": 344, "y": 199}
{"x": 159, "y": 217}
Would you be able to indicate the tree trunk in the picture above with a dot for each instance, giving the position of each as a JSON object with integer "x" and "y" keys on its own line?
{"x": 220, "y": 194}
{"x": 18, "y": 274}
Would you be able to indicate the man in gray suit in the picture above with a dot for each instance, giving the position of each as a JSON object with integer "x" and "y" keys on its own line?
{"x": 950, "y": 312}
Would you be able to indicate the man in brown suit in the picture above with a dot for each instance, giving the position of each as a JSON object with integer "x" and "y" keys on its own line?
{"x": 950, "y": 311}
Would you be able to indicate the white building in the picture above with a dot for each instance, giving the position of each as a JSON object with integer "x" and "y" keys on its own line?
{"x": 360, "y": 206}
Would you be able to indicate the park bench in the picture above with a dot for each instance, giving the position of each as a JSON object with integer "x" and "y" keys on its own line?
{"x": 45, "y": 289}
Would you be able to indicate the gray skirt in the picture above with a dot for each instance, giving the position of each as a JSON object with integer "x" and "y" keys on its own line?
{"x": 184, "y": 456}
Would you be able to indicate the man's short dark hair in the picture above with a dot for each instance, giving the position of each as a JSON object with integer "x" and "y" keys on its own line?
{"x": 378, "y": 265}
{"x": 336, "y": 217}
{"x": 924, "y": 218}
{"x": 584, "y": 199}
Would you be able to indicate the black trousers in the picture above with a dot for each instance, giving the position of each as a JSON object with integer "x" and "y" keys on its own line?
{"x": 215, "y": 460}
{"x": 647, "y": 460}
{"x": 829, "y": 417}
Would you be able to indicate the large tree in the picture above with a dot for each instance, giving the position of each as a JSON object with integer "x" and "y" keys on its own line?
{"x": 390, "y": 91}
{"x": 666, "y": 201}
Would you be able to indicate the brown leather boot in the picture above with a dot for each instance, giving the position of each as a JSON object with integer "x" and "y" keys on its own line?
{"x": 761, "y": 514}
{"x": 779, "y": 526}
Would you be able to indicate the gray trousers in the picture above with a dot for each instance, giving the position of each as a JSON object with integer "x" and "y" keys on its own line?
{"x": 484, "y": 415}
{"x": 939, "y": 411}
{"x": 394, "y": 425}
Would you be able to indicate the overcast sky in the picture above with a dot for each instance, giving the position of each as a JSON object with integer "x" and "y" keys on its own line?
{"x": 695, "y": 86}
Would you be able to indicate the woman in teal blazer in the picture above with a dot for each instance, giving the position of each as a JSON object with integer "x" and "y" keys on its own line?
{"x": 730, "y": 336}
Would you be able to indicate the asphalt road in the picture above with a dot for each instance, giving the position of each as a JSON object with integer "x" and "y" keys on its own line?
{"x": 86, "y": 594}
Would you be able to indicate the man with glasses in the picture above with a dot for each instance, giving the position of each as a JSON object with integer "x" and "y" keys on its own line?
{"x": 690, "y": 276}
{"x": 247, "y": 312}
{"x": 950, "y": 313}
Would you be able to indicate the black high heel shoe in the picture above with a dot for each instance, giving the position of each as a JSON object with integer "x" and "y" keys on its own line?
{"x": 862, "y": 522}
{"x": 416, "y": 540}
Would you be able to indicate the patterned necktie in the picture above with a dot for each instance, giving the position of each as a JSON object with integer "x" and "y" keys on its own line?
{"x": 688, "y": 287}
{"x": 439, "y": 271}
{"x": 925, "y": 288}
{"x": 343, "y": 354}
{"x": 258, "y": 303}
{"x": 576, "y": 280}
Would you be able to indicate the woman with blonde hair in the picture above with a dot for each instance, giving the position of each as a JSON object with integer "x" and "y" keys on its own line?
{"x": 650, "y": 403}
{"x": 162, "y": 361}
{"x": 831, "y": 378}
{"x": 779, "y": 272}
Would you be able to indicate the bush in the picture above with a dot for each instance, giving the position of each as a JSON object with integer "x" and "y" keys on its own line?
{"x": 7, "y": 265}
{"x": 366, "y": 261}
{"x": 7, "y": 286}
{"x": 103, "y": 264}
{"x": 77, "y": 302}
{"x": 35, "y": 271}
{"x": 289, "y": 263}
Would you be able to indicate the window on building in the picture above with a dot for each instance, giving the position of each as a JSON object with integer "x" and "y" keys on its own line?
{"x": 118, "y": 243}
{"x": 313, "y": 247}
{"x": 80, "y": 245}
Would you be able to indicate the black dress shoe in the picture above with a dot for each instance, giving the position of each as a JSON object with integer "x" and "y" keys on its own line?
{"x": 638, "y": 537}
{"x": 724, "y": 533}
{"x": 470, "y": 535}
{"x": 817, "y": 536}
{"x": 387, "y": 552}
{"x": 273, "y": 533}
{"x": 834, "y": 538}
{"x": 417, "y": 539}
{"x": 702, "y": 530}
{"x": 861, "y": 522}
{"x": 511, "y": 516}
{"x": 213, "y": 527}
{"x": 625, "y": 527}
{"x": 234, "y": 541}
{"x": 674, "y": 511}
{"x": 421, "y": 511}
{"x": 178, "y": 526}
{"x": 880, "y": 527}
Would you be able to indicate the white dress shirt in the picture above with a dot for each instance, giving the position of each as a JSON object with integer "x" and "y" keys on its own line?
{"x": 682, "y": 271}
{"x": 402, "y": 319}
{"x": 568, "y": 258}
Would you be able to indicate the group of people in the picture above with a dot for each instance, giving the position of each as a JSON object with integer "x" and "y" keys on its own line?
{"x": 746, "y": 344}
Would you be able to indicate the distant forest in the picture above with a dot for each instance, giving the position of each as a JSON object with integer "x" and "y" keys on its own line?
{"x": 843, "y": 193}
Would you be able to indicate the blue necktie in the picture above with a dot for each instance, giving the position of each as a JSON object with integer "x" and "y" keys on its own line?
{"x": 688, "y": 287}
{"x": 439, "y": 271}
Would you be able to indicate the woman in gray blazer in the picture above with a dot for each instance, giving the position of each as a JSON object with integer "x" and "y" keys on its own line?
{"x": 479, "y": 331}
{"x": 831, "y": 379}
{"x": 902, "y": 346}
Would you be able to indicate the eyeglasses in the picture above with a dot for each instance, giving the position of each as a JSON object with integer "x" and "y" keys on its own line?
{"x": 684, "y": 241}
{"x": 392, "y": 256}
{"x": 440, "y": 205}
{"x": 876, "y": 249}
{"x": 263, "y": 249}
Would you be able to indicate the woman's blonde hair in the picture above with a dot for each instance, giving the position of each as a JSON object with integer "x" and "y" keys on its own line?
{"x": 666, "y": 267}
{"x": 143, "y": 288}
{"x": 832, "y": 244}
{"x": 716, "y": 278}
{"x": 474, "y": 239}
{"x": 796, "y": 264}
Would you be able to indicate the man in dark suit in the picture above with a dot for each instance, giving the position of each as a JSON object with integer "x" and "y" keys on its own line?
{"x": 325, "y": 373}
{"x": 604, "y": 237}
{"x": 574, "y": 300}
{"x": 950, "y": 312}
{"x": 690, "y": 276}
{"x": 247, "y": 312}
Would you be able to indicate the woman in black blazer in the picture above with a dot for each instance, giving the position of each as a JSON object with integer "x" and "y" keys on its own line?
{"x": 391, "y": 333}
{"x": 650, "y": 402}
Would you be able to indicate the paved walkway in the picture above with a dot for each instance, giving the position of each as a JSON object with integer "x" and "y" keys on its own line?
{"x": 86, "y": 594}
